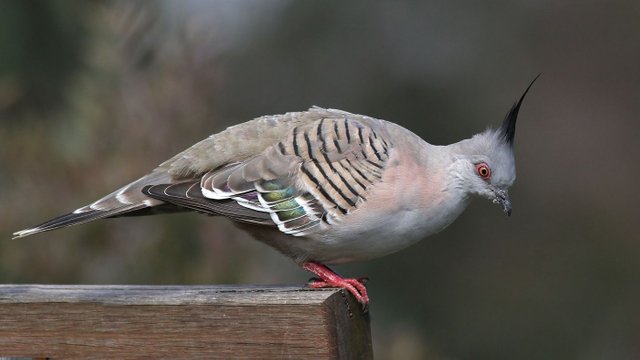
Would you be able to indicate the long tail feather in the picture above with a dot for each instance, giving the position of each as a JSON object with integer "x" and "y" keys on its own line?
{"x": 126, "y": 201}
{"x": 76, "y": 218}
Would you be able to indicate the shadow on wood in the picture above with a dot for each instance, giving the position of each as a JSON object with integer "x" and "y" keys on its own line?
{"x": 65, "y": 321}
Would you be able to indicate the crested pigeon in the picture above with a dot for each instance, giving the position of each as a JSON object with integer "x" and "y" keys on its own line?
{"x": 322, "y": 186}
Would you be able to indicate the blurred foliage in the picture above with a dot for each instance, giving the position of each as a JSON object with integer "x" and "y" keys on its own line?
{"x": 95, "y": 94}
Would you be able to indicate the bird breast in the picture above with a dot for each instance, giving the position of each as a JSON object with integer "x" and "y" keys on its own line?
{"x": 410, "y": 203}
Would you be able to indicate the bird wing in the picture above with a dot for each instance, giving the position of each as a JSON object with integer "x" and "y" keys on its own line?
{"x": 236, "y": 142}
{"x": 312, "y": 177}
{"x": 294, "y": 171}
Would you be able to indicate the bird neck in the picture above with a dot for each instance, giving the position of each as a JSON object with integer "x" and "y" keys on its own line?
{"x": 450, "y": 163}
{"x": 436, "y": 171}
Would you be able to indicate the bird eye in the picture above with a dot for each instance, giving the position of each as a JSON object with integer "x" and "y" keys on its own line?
{"x": 483, "y": 170}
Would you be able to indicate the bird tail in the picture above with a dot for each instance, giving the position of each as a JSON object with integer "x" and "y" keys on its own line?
{"x": 74, "y": 218}
{"x": 127, "y": 201}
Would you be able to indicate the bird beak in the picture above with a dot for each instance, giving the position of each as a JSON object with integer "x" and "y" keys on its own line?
{"x": 502, "y": 198}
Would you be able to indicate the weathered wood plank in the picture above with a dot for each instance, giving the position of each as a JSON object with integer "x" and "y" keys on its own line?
{"x": 227, "y": 322}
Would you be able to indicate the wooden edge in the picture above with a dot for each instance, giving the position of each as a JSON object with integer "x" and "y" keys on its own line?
{"x": 164, "y": 294}
{"x": 228, "y": 321}
{"x": 351, "y": 326}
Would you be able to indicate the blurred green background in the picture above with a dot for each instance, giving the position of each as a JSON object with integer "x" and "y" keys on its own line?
{"x": 94, "y": 94}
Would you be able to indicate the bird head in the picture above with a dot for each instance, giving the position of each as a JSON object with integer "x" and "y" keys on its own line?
{"x": 485, "y": 164}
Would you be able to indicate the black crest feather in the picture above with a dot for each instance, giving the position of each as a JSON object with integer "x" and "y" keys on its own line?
{"x": 508, "y": 128}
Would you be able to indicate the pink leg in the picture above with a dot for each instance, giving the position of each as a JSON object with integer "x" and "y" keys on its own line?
{"x": 331, "y": 279}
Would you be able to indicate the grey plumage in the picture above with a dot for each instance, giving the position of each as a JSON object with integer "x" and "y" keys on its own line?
{"x": 323, "y": 185}
{"x": 311, "y": 168}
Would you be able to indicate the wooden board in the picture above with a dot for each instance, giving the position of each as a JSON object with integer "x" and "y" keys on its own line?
{"x": 225, "y": 322}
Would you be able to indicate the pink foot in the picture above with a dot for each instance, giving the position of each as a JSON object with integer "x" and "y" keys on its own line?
{"x": 331, "y": 279}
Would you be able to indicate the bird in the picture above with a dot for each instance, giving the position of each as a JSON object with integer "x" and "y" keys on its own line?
{"x": 322, "y": 186}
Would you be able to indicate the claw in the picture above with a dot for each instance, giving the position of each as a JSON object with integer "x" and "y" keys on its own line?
{"x": 330, "y": 279}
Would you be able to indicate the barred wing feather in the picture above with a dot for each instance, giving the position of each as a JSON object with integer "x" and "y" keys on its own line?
{"x": 311, "y": 179}
{"x": 299, "y": 171}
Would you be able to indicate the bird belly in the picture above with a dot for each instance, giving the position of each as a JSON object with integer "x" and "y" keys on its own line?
{"x": 382, "y": 236}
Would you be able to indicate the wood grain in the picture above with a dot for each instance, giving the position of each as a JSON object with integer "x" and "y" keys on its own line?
{"x": 220, "y": 322}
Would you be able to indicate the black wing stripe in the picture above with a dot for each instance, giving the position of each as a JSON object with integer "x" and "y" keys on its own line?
{"x": 346, "y": 130}
{"x": 348, "y": 170}
{"x": 283, "y": 150}
{"x": 375, "y": 150}
{"x": 375, "y": 164}
{"x": 296, "y": 149}
{"x": 321, "y": 189}
{"x": 333, "y": 169}
{"x": 324, "y": 174}
{"x": 320, "y": 136}
{"x": 359, "y": 172}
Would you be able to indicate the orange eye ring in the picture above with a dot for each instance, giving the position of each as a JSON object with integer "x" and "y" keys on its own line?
{"x": 483, "y": 170}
